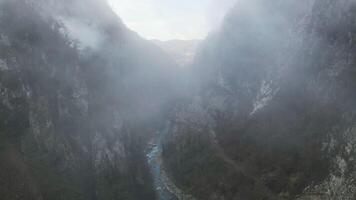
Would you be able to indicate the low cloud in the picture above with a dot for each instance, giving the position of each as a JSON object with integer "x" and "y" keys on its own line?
{"x": 85, "y": 34}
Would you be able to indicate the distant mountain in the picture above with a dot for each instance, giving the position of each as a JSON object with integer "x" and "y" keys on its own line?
{"x": 182, "y": 51}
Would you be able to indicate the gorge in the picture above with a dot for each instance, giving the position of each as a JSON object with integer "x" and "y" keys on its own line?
{"x": 264, "y": 110}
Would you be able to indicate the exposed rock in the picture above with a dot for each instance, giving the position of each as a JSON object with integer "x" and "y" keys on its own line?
{"x": 276, "y": 85}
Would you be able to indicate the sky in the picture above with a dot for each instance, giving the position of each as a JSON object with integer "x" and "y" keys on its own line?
{"x": 172, "y": 19}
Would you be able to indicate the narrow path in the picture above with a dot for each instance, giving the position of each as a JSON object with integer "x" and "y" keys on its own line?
{"x": 239, "y": 167}
{"x": 220, "y": 152}
{"x": 174, "y": 189}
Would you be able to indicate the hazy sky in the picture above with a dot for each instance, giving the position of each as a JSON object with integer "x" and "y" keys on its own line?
{"x": 171, "y": 19}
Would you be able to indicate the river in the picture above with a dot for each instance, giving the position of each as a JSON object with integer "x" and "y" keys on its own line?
{"x": 154, "y": 158}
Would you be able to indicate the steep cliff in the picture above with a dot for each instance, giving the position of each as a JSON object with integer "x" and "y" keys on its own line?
{"x": 274, "y": 113}
{"x": 80, "y": 98}
{"x": 268, "y": 113}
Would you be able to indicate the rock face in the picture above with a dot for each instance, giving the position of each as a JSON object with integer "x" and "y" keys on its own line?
{"x": 270, "y": 112}
{"x": 274, "y": 114}
{"x": 77, "y": 103}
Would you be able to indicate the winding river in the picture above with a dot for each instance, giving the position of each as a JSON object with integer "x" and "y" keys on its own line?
{"x": 154, "y": 158}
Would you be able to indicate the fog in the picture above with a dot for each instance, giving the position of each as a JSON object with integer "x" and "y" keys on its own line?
{"x": 90, "y": 108}
{"x": 88, "y": 36}
{"x": 216, "y": 12}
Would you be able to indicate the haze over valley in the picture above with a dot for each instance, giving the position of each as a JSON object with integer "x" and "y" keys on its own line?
{"x": 177, "y": 100}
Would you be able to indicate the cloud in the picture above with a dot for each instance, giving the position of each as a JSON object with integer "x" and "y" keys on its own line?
{"x": 88, "y": 35}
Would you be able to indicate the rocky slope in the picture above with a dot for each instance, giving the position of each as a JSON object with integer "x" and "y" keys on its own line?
{"x": 269, "y": 112}
{"x": 274, "y": 114}
{"x": 80, "y": 97}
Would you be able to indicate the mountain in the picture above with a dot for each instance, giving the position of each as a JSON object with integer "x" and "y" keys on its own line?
{"x": 273, "y": 115}
{"x": 182, "y": 51}
{"x": 81, "y": 96}
{"x": 91, "y": 111}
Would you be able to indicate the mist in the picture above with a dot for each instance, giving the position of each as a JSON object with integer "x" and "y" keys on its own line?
{"x": 85, "y": 35}
{"x": 217, "y": 11}
{"x": 248, "y": 100}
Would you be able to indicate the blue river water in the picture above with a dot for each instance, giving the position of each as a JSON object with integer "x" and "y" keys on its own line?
{"x": 154, "y": 158}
